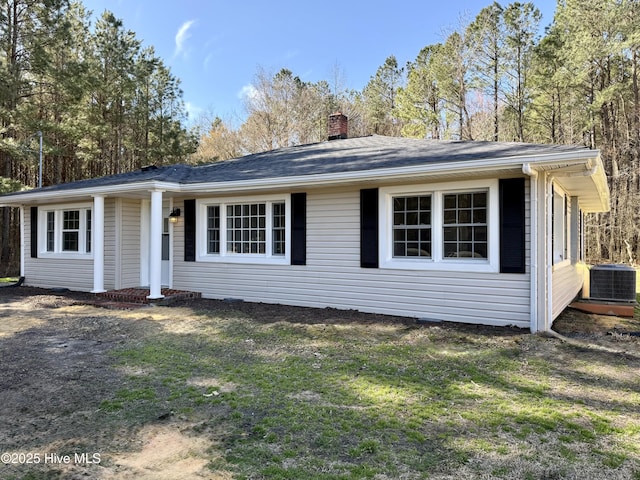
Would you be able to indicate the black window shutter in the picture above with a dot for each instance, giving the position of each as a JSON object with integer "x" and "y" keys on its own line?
{"x": 189, "y": 230}
{"x": 512, "y": 226}
{"x": 298, "y": 228}
{"x": 34, "y": 232}
{"x": 369, "y": 228}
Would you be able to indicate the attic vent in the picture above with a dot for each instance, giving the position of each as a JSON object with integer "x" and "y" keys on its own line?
{"x": 613, "y": 282}
{"x": 149, "y": 168}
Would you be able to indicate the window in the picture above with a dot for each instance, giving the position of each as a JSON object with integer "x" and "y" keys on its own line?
{"x": 465, "y": 225}
{"x": 67, "y": 230}
{"x": 246, "y": 228}
{"x": 255, "y": 230}
{"x": 279, "y": 229}
{"x": 88, "y": 232}
{"x": 412, "y": 226}
{"x": 51, "y": 231}
{"x": 213, "y": 229}
{"x": 560, "y": 212}
{"x": 70, "y": 230}
{"x": 444, "y": 226}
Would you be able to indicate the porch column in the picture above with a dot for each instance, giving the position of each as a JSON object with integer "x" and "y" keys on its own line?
{"x": 155, "y": 247}
{"x": 97, "y": 244}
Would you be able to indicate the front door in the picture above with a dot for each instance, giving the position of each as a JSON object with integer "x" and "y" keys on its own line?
{"x": 145, "y": 245}
{"x": 166, "y": 252}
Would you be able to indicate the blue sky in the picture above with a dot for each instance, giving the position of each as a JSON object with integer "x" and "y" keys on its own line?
{"x": 215, "y": 47}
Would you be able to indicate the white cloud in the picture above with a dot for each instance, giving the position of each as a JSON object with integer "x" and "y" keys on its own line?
{"x": 182, "y": 36}
{"x": 248, "y": 91}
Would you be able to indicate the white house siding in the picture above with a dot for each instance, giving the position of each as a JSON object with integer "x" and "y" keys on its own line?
{"x": 130, "y": 244}
{"x": 55, "y": 273}
{"x": 566, "y": 283}
{"x": 333, "y": 277}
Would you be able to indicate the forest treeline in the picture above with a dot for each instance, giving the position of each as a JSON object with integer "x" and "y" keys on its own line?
{"x": 104, "y": 103}
{"x": 101, "y": 101}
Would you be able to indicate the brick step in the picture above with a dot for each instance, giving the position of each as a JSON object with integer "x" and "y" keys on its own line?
{"x": 139, "y": 295}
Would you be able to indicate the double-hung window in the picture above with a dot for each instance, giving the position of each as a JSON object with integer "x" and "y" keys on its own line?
{"x": 66, "y": 230}
{"x": 252, "y": 230}
{"x": 447, "y": 226}
{"x": 412, "y": 226}
{"x": 70, "y": 230}
{"x": 465, "y": 225}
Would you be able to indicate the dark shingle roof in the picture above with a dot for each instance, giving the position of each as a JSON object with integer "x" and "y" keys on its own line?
{"x": 338, "y": 156}
{"x": 360, "y": 154}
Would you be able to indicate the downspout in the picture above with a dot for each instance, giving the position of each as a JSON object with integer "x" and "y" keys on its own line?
{"x": 533, "y": 245}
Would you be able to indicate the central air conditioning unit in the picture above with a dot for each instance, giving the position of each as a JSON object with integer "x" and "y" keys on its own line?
{"x": 614, "y": 282}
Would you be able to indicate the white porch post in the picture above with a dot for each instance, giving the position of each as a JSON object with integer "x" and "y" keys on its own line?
{"x": 155, "y": 247}
{"x": 97, "y": 244}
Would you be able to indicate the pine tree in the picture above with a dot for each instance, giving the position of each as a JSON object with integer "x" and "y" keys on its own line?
{"x": 486, "y": 38}
{"x": 419, "y": 104}
{"x": 521, "y": 21}
{"x": 380, "y": 98}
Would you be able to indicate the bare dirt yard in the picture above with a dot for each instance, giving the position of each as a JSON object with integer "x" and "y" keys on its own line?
{"x": 87, "y": 392}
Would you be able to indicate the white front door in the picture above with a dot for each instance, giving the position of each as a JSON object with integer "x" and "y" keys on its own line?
{"x": 145, "y": 245}
{"x": 166, "y": 251}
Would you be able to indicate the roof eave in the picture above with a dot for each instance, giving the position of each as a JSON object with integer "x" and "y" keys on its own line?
{"x": 35, "y": 196}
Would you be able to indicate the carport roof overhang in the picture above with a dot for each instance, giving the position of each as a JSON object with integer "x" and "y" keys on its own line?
{"x": 579, "y": 172}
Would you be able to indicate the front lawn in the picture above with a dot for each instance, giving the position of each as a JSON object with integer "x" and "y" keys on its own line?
{"x": 363, "y": 399}
{"x": 259, "y": 392}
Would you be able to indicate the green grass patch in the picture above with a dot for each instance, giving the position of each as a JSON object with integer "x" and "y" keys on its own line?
{"x": 291, "y": 400}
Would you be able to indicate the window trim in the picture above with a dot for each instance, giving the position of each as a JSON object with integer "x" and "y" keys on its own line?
{"x": 58, "y": 213}
{"x": 224, "y": 256}
{"x": 437, "y": 260}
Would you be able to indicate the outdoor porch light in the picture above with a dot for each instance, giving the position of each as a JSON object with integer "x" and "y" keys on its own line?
{"x": 174, "y": 215}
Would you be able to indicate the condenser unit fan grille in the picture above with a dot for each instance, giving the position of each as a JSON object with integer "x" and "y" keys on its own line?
{"x": 613, "y": 282}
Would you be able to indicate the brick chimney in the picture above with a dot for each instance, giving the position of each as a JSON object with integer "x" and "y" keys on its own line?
{"x": 338, "y": 126}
